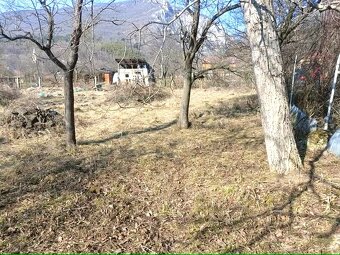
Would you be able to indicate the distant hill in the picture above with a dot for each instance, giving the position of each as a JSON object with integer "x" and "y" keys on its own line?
{"x": 116, "y": 24}
{"x": 128, "y": 15}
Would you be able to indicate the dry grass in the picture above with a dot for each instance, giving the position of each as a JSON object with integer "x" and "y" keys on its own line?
{"x": 133, "y": 94}
{"x": 136, "y": 183}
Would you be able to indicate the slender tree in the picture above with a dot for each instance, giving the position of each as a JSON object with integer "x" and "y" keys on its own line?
{"x": 192, "y": 39}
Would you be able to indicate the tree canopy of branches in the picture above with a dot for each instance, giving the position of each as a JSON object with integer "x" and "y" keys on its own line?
{"x": 309, "y": 30}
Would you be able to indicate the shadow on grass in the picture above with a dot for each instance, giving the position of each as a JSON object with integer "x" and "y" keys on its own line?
{"x": 68, "y": 171}
{"x": 261, "y": 227}
{"x": 241, "y": 106}
{"x": 52, "y": 194}
{"x": 66, "y": 204}
{"x": 287, "y": 209}
{"x": 47, "y": 190}
{"x": 126, "y": 133}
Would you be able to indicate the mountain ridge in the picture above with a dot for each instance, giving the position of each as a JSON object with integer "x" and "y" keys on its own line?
{"x": 131, "y": 15}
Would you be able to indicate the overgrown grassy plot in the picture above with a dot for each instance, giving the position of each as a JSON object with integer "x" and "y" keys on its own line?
{"x": 138, "y": 184}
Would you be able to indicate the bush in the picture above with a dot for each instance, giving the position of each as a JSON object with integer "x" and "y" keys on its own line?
{"x": 136, "y": 93}
{"x": 7, "y": 94}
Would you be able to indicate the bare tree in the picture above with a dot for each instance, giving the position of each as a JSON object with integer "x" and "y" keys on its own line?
{"x": 289, "y": 14}
{"x": 42, "y": 22}
{"x": 282, "y": 153}
{"x": 192, "y": 38}
{"x": 18, "y": 24}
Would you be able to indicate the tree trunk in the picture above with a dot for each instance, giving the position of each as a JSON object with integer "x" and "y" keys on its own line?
{"x": 69, "y": 108}
{"x": 281, "y": 147}
{"x": 183, "y": 121}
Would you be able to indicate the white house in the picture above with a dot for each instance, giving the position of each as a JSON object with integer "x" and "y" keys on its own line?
{"x": 133, "y": 70}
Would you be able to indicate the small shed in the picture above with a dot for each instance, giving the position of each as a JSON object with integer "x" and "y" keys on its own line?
{"x": 107, "y": 75}
{"x": 103, "y": 77}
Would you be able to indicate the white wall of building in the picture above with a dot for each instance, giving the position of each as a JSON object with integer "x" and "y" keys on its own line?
{"x": 131, "y": 75}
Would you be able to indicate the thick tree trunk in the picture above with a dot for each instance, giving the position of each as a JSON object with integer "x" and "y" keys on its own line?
{"x": 281, "y": 148}
{"x": 183, "y": 121}
{"x": 69, "y": 108}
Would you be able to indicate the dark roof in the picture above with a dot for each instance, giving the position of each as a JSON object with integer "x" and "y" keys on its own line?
{"x": 106, "y": 70}
{"x": 131, "y": 61}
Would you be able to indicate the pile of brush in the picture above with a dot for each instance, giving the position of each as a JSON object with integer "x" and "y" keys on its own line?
{"x": 27, "y": 122}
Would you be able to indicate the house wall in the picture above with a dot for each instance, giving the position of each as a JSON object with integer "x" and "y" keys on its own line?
{"x": 129, "y": 75}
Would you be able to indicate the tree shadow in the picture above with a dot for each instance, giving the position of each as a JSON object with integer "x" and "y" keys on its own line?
{"x": 64, "y": 180}
{"x": 54, "y": 174}
{"x": 127, "y": 133}
{"x": 240, "y": 106}
{"x": 63, "y": 173}
{"x": 278, "y": 218}
{"x": 296, "y": 193}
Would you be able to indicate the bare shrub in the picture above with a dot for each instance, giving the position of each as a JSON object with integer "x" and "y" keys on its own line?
{"x": 316, "y": 45}
{"x": 8, "y": 94}
{"x": 226, "y": 79}
{"x": 137, "y": 93}
{"x": 212, "y": 82}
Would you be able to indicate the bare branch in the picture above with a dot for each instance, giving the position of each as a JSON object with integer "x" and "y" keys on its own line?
{"x": 226, "y": 67}
{"x": 206, "y": 28}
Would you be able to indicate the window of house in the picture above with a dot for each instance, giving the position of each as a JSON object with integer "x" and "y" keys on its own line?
{"x": 127, "y": 75}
